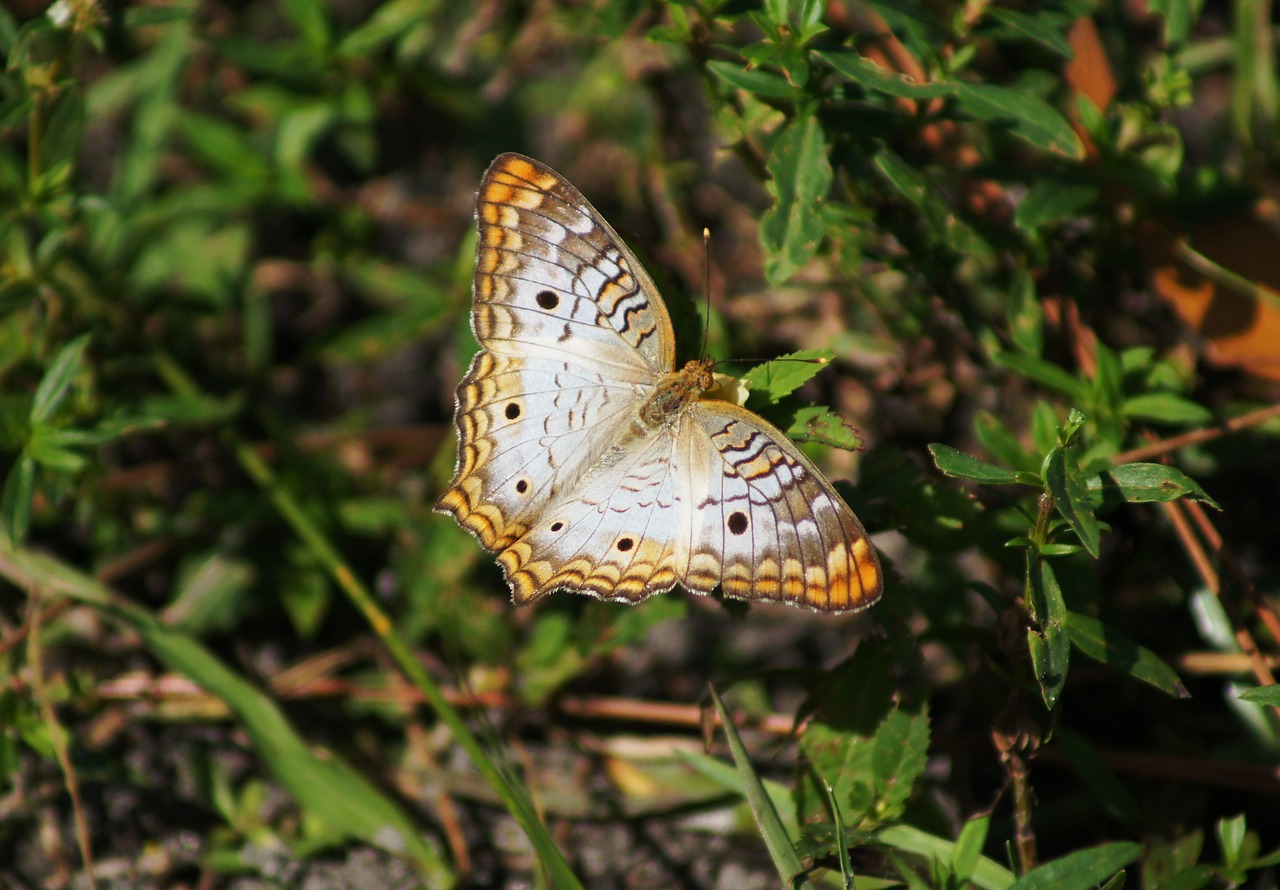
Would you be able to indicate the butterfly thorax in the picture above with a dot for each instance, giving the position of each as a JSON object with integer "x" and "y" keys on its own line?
{"x": 675, "y": 392}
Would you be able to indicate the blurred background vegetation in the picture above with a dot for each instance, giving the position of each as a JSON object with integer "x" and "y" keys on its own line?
{"x": 1040, "y": 242}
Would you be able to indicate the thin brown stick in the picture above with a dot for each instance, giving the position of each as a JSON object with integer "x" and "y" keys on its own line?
{"x": 20, "y": 633}
{"x": 1200, "y": 559}
{"x": 1165, "y": 446}
{"x": 1203, "y": 772}
{"x": 1194, "y": 549}
{"x": 1024, "y": 836}
{"x": 1212, "y": 664}
{"x": 1227, "y": 557}
{"x": 1255, "y": 778}
{"x": 601, "y": 708}
{"x": 1017, "y": 737}
{"x": 57, "y": 733}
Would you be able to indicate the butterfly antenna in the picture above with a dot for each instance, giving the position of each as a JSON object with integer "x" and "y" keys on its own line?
{"x": 706, "y": 283}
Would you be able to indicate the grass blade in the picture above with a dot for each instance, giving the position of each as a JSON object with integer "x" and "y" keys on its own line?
{"x": 775, "y": 835}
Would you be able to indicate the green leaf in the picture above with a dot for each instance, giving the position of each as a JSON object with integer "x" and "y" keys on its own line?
{"x": 867, "y": 73}
{"x": 198, "y": 409}
{"x": 1104, "y": 644}
{"x": 987, "y": 874}
{"x": 53, "y": 385}
{"x": 781, "y": 376}
{"x": 809, "y": 15}
{"x": 210, "y": 587}
{"x": 46, "y": 451}
{"x": 385, "y": 24}
{"x": 729, "y": 777}
{"x": 837, "y": 816}
{"x": 64, "y": 130}
{"x": 1060, "y": 549}
{"x": 297, "y": 132}
{"x": 1044, "y": 428}
{"x": 1178, "y": 18}
{"x": 959, "y": 465}
{"x": 327, "y": 786}
{"x": 945, "y": 224}
{"x": 1141, "y": 483}
{"x": 1052, "y": 200}
{"x": 913, "y": 23}
{"x": 1064, "y": 480}
{"x": 753, "y": 80}
{"x": 1108, "y": 379}
{"x": 1263, "y": 695}
{"x": 1023, "y": 114}
{"x": 1049, "y": 644}
{"x": 1105, "y": 785}
{"x": 1002, "y": 442}
{"x": 791, "y": 230}
{"x": 1046, "y": 373}
{"x": 312, "y": 21}
{"x": 840, "y": 743}
{"x": 1081, "y": 870}
{"x": 141, "y": 16}
{"x": 549, "y": 659}
{"x": 968, "y": 851}
{"x": 223, "y": 146}
{"x": 910, "y": 183}
{"x": 305, "y": 593}
{"x": 1231, "y": 837}
{"x": 868, "y": 749}
{"x": 1041, "y": 26}
{"x": 1026, "y": 315}
{"x": 1165, "y": 407}
{"x": 900, "y": 755}
{"x": 15, "y": 500}
{"x": 139, "y": 166}
{"x": 818, "y": 424}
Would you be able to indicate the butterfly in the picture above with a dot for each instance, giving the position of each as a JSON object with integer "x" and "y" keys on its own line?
{"x": 589, "y": 463}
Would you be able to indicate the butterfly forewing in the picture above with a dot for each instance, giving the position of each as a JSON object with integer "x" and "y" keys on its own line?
{"x": 588, "y": 464}
{"x": 552, "y": 275}
{"x": 527, "y": 430}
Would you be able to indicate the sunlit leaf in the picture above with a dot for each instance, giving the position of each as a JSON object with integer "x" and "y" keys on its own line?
{"x": 792, "y": 228}
{"x": 959, "y": 465}
{"x": 1105, "y": 644}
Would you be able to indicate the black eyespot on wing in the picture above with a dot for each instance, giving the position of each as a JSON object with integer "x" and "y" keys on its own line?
{"x": 625, "y": 544}
{"x": 522, "y": 486}
{"x": 556, "y": 526}
{"x": 512, "y": 411}
{"x": 737, "y": 522}
{"x": 548, "y": 300}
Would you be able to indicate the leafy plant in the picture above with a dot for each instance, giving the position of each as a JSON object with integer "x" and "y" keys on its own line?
{"x": 1030, "y": 242}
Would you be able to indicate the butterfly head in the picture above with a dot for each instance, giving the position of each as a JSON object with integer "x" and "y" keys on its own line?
{"x": 697, "y": 374}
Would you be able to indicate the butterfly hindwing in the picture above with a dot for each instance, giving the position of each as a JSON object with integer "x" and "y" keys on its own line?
{"x": 528, "y": 429}
{"x": 614, "y": 537}
{"x": 763, "y": 522}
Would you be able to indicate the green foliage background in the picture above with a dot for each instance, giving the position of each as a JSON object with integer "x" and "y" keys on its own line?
{"x": 235, "y": 262}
